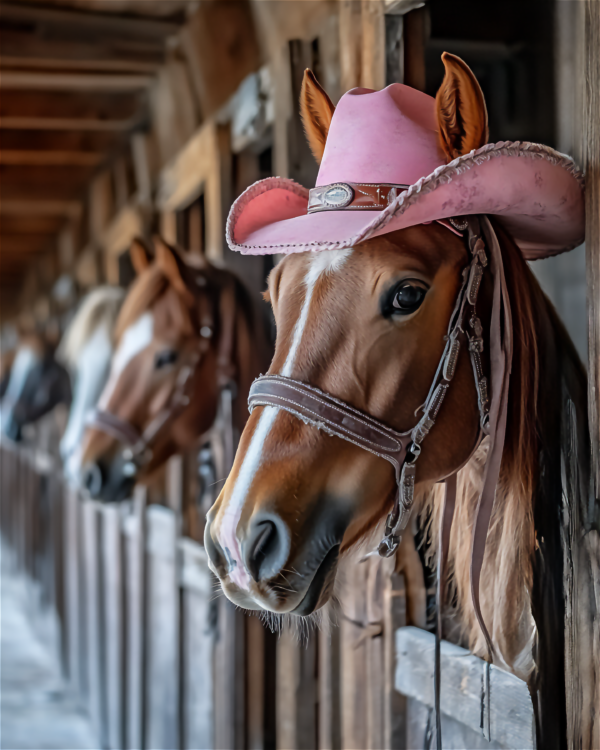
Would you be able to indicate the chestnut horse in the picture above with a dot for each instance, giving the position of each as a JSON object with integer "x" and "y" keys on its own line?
{"x": 185, "y": 335}
{"x": 367, "y": 325}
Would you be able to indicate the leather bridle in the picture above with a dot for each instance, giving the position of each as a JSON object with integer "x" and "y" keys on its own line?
{"x": 138, "y": 444}
{"x": 402, "y": 449}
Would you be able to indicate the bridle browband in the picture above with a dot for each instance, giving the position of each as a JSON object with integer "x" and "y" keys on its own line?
{"x": 138, "y": 444}
{"x": 402, "y": 449}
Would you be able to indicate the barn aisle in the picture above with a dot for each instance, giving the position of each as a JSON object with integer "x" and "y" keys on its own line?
{"x": 37, "y": 709}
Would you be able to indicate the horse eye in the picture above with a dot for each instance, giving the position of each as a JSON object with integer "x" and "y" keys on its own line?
{"x": 408, "y": 298}
{"x": 162, "y": 359}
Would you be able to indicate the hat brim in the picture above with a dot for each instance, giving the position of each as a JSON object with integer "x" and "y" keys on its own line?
{"x": 536, "y": 193}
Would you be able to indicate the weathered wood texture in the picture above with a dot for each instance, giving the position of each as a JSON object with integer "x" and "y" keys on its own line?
{"x": 296, "y": 691}
{"x": 134, "y": 528}
{"x": 162, "y": 634}
{"x": 93, "y": 615}
{"x": 112, "y": 596}
{"x": 198, "y": 615}
{"x": 463, "y": 696}
{"x": 583, "y": 596}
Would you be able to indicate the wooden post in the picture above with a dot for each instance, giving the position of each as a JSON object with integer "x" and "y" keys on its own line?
{"x": 93, "y": 607}
{"x": 112, "y": 583}
{"x": 162, "y": 633}
{"x": 135, "y": 546}
{"x": 229, "y": 677}
{"x": 329, "y": 683}
{"x": 394, "y": 617}
{"x": 296, "y": 691}
{"x": 198, "y": 614}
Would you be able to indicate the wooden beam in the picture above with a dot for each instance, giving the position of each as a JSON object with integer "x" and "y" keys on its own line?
{"x": 71, "y": 209}
{"x": 54, "y": 64}
{"x": 37, "y": 81}
{"x": 52, "y": 158}
{"x": 96, "y": 23}
{"x": 69, "y": 123}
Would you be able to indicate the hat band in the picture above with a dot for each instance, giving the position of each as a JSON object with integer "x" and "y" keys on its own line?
{"x": 353, "y": 196}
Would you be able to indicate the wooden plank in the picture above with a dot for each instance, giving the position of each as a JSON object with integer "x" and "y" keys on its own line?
{"x": 51, "y": 158}
{"x": 329, "y": 683}
{"x": 40, "y": 208}
{"x": 10, "y": 122}
{"x": 394, "y": 708}
{"x": 229, "y": 676}
{"x": 296, "y": 691}
{"x": 112, "y": 585}
{"x": 40, "y": 81}
{"x": 255, "y": 679}
{"x": 162, "y": 634}
{"x": 134, "y": 536}
{"x": 93, "y": 607}
{"x": 463, "y": 688}
{"x": 72, "y": 588}
{"x": 197, "y": 648}
{"x": 60, "y": 63}
{"x": 100, "y": 23}
{"x": 353, "y": 660}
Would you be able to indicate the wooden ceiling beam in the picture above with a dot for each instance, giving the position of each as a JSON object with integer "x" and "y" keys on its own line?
{"x": 38, "y": 158}
{"x": 21, "y": 45}
{"x": 98, "y": 105}
{"x": 70, "y": 123}
{"x": 40, "y": 81}
{"x": 55, "y": 63}
{"x": 70, "y": 209}
{"x": 30, "y": 224}
{"x": 97, "y": 23}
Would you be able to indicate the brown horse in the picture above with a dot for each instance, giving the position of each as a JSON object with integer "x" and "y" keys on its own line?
{"x": 367, "y": 325}
{"x": 184, "y": 333}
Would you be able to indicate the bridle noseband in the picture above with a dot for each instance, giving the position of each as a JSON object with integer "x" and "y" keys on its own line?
{"x": 138, "y": 444}
{"x": 401, "y": 449}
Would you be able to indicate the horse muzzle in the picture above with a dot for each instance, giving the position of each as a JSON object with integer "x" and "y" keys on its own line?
{"x": 112, "y": 482}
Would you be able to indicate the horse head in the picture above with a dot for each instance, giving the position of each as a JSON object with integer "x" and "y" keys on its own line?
{"x": 169, "y": 365}
{"x": 36, "y": 384}
{"x": 366, "y": 325}
{"x": 85, "y": 350}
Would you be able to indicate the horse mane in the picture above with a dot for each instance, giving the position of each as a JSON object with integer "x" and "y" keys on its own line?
{"x": 98, "y": 308}
{"x": 541, "y": 351}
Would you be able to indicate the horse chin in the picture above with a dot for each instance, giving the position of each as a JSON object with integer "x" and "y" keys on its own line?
{"x": 321, "y": 587}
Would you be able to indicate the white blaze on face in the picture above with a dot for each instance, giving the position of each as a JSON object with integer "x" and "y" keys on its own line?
{"x": 133, "y": 341}
{"x": 25, "y": 360}
{"x": 92, "y": 371}
{"x": 324, "y": 262}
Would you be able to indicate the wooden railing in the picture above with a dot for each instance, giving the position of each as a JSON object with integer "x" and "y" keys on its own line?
{"x": 163, "y": 661}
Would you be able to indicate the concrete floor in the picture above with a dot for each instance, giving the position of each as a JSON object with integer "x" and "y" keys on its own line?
{"x": 37, "y": 709}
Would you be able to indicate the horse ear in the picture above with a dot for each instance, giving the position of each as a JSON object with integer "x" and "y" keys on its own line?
{"x": 460, "y": 108}
{"x": 140, "y": 255}
{"x": 316, "y": 111}
{"x": 173, "y": 267}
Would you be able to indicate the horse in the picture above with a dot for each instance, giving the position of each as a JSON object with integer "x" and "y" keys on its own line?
{"x": 37, "y": 383}
{"x": 187, "y": 347}
{"x": 86, "y": 350}
{"x": 365, "y": 329}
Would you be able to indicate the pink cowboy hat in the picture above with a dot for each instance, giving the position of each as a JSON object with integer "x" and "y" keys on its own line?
{"x": 383, "y": 169}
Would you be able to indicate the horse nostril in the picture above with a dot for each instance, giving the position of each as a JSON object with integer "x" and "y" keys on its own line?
{"x": 92, "y": 479}
{"x": 265, "y": 550}
{"x": 213, "y": 551}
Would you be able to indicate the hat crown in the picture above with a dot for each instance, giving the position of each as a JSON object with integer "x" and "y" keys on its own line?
{"x": 382, "y": 136}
